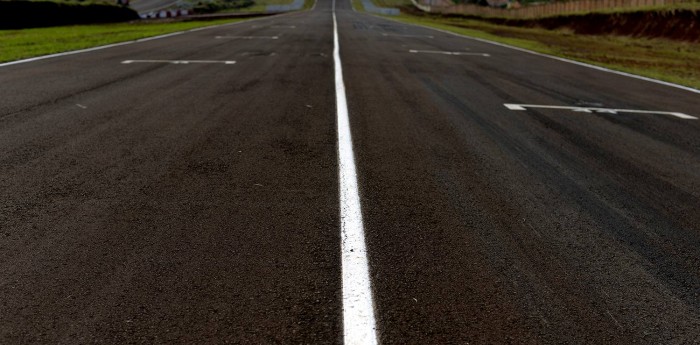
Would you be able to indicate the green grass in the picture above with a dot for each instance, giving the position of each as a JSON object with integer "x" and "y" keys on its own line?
{"x": 26, "y": 43}
{"x": 308, "y": 4}
{"x": 357, "y": 4}
{"x": 663, "y": 59}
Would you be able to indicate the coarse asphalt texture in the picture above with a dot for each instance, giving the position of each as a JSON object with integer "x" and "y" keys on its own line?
{"x": 169, "y": 203}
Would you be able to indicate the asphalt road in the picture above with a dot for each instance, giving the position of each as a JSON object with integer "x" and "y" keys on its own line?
{"x": 152, "y": 202}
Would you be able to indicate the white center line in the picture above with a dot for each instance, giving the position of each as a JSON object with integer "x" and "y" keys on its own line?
{"x": 446, "y": 53}
{"x": 359, "y": 325}
{"x": 179, "y": 62}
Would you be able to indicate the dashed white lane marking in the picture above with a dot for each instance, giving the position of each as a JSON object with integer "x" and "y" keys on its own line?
{"x": 80, "y": 51}
{"x": 400, "y": 35}
{"x": 249, "y": 37}
{"x": 599, "y": 68}
{"x": 359, "y": 325}
{"x": 521, "y": 107}
{"x": 180, "y": 62}
{"x": 446, "y": 53}
{"x": 81, "y": 106}
{"x": 274, "y": 26}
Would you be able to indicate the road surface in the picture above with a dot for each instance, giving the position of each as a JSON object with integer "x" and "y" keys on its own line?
{"x": 188, "y": 190}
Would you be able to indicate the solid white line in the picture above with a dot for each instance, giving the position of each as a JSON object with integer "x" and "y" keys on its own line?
{"x": 603, "y": 69}
{"x": 86, "y": 50}
{"x": 179, "y": 62}
{"x": 446, "y": 53}
{"x": 521, "y": 107}
{"x": 359, "y": 325}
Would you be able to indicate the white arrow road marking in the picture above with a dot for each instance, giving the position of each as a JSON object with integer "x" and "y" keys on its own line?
{"x": 521, "y": 107}
{"x": 178, "y": 62}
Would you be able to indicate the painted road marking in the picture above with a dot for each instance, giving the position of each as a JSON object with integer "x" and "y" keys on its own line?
{"x": 274, "y": 26}
{"x": 520, "y": 107}
{"x": 399, "y": 35}
{"x": 86, "y": 50}
{"x": 445, "y": 53}
{"x": 359, "y": 325}
{"x": 249, "y": 37}
{"x": 179, "y": 62}
{"x": 599, "y": 68}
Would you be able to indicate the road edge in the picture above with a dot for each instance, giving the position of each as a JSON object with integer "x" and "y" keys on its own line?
{"x": 145, "y": 39}
{"x": 584, "y": 64}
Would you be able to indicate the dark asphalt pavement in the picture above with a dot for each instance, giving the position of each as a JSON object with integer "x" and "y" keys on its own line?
{"x": 198, "y": 203}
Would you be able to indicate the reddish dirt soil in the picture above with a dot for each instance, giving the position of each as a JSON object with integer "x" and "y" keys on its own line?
{"x": 678, "y": 24}
{"x": 682, "y": 25}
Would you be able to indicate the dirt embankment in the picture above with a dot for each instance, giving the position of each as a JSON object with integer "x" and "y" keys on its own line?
{"x": 677, "y": 24}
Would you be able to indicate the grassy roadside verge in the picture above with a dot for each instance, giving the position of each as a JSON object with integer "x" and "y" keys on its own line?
{"x": 308, "y": 4}
{"x": 358, "y": 6}
{"x": 663, "y": 59}
{"x": 27, "y": 43}
{"x": 22, "y": 44}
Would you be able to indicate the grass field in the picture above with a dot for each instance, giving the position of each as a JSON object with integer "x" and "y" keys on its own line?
{"x": 21, "y": 44}
{"x": 357, "y": 4}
